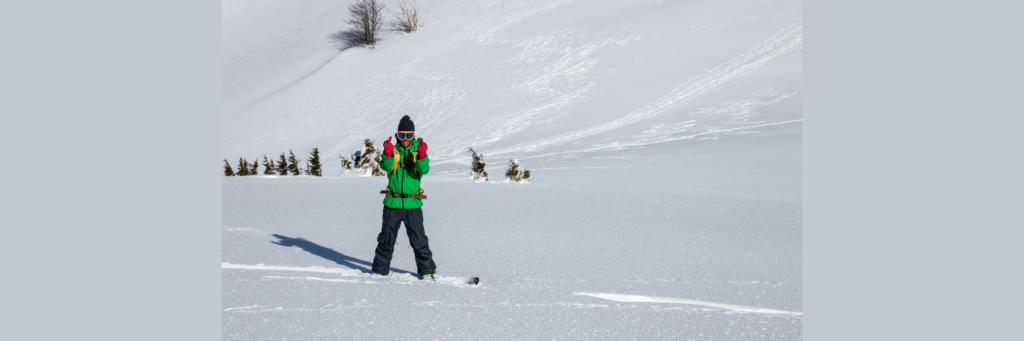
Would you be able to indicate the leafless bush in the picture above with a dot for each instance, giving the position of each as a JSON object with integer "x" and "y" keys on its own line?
{"x": 408, "y": 19}
{"x": 365, "y": 20}
{"x": 477, "y": 168}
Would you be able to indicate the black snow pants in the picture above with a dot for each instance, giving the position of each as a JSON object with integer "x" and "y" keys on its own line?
{"x": 413, "y": 219}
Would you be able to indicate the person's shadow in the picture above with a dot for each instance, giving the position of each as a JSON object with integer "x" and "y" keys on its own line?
{"x": 328, "y": 254}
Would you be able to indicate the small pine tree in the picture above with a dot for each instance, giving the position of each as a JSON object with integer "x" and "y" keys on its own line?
{"x": 268, "y": 166}
{"x": 515, "y": 173}
{"x": 227, "y": 169}
{"x": 314, "y": 161}
{"x": 282, "y": 166}
{"x": 477, "y": 167}
{"x": 375, "y": 169}
{"x": 306, "y": 171}
{"x": 293, "y": 163}
{"x": 346, "y": 164}
{"x": 512, "y": 171}
{"x": 254, "y": 167}
{"x": 367, "y": 161}
{"x": 243, "y": 167}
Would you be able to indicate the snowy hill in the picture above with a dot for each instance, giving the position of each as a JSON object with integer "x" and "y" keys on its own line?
{"x": 524, "y": 79}
{"x": 664, "y": 139}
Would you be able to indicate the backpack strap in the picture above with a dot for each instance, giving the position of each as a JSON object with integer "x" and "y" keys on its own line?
{"x": 398, "y": 159}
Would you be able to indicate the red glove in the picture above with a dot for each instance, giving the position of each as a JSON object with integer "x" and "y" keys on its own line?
{"x": 421, "y": 151}
{"x": 388, "y": 148}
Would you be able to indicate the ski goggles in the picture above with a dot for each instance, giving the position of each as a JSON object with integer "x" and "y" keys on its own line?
{"x": 406, "y": 135}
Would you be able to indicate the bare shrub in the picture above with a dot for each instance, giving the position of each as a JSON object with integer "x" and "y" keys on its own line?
{"x": 515, "y": 173}
{"x": 365, "y": 20}
{"x": 477, "y": 167}
{"x": 408, "y": 19}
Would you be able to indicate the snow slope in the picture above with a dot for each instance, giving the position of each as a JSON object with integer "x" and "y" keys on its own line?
{"x": 524, "y": 79}
{"x": 664, "y": 138}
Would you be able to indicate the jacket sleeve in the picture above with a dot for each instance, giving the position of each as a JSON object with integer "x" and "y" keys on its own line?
{"x": 423, "y": 165}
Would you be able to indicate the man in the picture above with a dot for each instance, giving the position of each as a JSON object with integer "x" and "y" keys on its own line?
{"x": 405, "y": 165}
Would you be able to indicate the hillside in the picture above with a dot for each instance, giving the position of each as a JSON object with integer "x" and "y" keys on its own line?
{"x": 540, "y": 80}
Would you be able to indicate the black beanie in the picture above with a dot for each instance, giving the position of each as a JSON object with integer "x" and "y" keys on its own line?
{"x": 406, "y": 124}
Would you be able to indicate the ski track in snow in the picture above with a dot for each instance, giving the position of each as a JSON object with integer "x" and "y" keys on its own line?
{"x": 651, "y": 299}
{"x": 787, "y": 40}
{"x": 395, "y": 278}
{"x": 619, "y": 145}
{"x": 462, "y": 282}
{"x": 346, "y": 272}
{"x": 254, "y": 306}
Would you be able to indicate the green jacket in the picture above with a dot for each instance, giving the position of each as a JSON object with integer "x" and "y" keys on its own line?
{"x": 405, "y": 179}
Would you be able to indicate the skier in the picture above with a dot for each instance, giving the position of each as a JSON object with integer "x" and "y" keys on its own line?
{"x": 356, "y": 157}
{"x": 405, "y": 165}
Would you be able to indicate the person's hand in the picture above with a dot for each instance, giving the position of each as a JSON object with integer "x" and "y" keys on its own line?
{"x": 388, "y": 147}
{"x": 421, "y": 151}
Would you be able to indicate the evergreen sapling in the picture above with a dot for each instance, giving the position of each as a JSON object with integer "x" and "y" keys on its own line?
{"x": 314, "y": 161}
{"x": 243, "y": 167}
{"x": 370, "y": 160}
{"x": 515, "y": 173}
{"x": 227, "y": 169}
{"x": 282, "y": 166}
{"x": 477, "y": 167}
{"x": 293, "y": 163}
{"x": 346, "y": 164}
{"x": 268, "y": 166}
{"x": 377, "y": 171}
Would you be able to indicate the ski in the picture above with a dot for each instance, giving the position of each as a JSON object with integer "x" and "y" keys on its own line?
{"x": 435, "y": 278}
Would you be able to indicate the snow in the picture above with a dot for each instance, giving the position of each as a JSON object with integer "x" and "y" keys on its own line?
{"x": 639, "y": 298}
{"x": 664, "y": 140}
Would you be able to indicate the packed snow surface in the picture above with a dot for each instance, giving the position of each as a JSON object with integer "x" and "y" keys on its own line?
{"x": 664, "y": 139}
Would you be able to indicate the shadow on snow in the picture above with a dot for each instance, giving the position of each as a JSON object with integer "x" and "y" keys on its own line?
{"x": 329, "y": 254}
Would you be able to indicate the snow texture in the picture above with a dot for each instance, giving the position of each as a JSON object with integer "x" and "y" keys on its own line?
{"x": 664, "y": 140}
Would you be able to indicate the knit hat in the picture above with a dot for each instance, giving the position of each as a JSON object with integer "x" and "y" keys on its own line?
{"x": 406, "y": 124}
